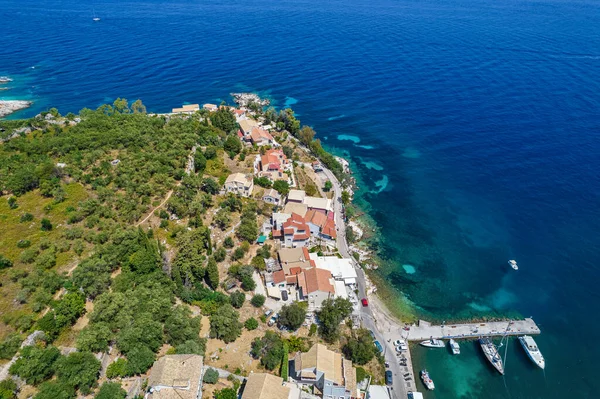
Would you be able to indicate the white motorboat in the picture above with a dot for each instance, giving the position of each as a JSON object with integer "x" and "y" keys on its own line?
{"x": 532, "y": 350}
{"x": 427, "y": 380}
{"x": 433, "y": 343}
{"x": 491, "y": 353}
{"x": 513, "y": 264}
{"x": 454, "y": 347}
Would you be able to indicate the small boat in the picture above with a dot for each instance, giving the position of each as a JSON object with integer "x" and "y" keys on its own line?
{"x": 427, "y": 380}
{"x": 433, "y": 343}
{"x": 95, "y": 19}
{"x": 513, "y": 264}
{"x": 491, "y": 353}
{"x": 454, "y": 347}
{"x": 533, "y": 352}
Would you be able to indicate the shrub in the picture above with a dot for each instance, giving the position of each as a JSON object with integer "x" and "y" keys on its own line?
{"x": 46, "y": 225}
{"x": 26, "y": 217}
{"x": 8, "y": 389}
{"x": 211, "y": 376}
{"x": 118, "y": 368}
{"x": 28, "y": 255}
{"x": 258, "y": 300}
{"x": 225, "y": 325}
{"x": 269, "y": 349}
{"x": 10, "y": 346}
{"x": 226, "y": 393}
{"x": 228, "y": 243}
{"x": 251, "y": 324}
{"x": 284, "y": 363}
{"x": 111, "y": 390}
{"x": 237, "y": 299}
{"x": 55, "y": 390}
{"x": 23, "y": 244}
{"x": 5, "y": 263}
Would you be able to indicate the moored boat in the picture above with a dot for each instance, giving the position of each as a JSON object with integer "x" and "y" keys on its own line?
{"x": 491, "y": 353}
{"x": 433, "y": 343}
{"x": 532, "y": 350}
{"x": 427, "y": 380}
{"x": 454, "y": 347}
{"x": 513, "y": 264}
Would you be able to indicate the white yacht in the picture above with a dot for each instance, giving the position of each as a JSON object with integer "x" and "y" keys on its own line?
{"x": 433, "y": 343}
{"x": 427, "y": 380}
{"x": 513, "y": 264}
{"x": 455, "y": 347}
{"x": 491, "y": 353}
{"x": 532, "y": 350}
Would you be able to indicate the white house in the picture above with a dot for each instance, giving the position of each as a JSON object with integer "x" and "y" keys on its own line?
{"x": 341, "y": 269}
{"x": 239, "y": 184}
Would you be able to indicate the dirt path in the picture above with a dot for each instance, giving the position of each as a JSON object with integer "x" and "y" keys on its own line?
{"x": 149, "y": 215}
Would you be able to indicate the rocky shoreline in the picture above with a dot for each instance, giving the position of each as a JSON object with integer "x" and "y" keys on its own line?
{"x": 245, "y": 99}
{"x": 7, "y": 107}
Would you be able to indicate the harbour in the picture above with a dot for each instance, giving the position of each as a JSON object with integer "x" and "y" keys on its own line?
{"x": 425, "y": 330}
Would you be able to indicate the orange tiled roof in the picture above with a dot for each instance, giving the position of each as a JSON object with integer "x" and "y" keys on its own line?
{"x": 329, "y": 229}
{"x": 279, "y": 277}
{"x": 315, "y": 217}
{"x": 315, "y": 279}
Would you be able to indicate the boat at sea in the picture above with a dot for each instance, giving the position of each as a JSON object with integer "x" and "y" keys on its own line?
{"x": 455, "y": 347}
{"x": 532, "y": 350}
{"x": 5, "y": 79}
{"x": 491, "y": 353}
{"x": 513, "y": 264}
{"x": 427, "y": 380}
{"x": 433, "y": 343}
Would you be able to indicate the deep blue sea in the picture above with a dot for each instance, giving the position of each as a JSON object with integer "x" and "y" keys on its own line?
{"x": 473, "y": 127}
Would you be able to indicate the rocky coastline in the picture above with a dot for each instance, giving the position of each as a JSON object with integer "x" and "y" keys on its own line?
{"x": 7, "y": 107}
{"x": 245, "y": 99}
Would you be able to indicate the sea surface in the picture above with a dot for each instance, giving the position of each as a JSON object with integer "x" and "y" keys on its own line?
{"x": 473, "y": 127}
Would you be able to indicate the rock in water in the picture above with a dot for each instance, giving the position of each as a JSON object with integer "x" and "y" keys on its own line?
{"x": 243, "y": 99}
{"x": 7, "y": 107}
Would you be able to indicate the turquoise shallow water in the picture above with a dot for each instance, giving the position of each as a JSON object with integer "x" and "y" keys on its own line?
{"x": 473, "y": 127}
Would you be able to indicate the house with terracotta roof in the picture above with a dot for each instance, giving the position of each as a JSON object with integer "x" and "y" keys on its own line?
{"x": 273, "y": 165}
{"x": 268, "y": 386}
{"x": 320, "y": 225}
{"x": 261, "y": 137}
{"x": 246, "y": 126}
{"x": 315, "y": 285}
{"x": 294, "y": 232}
{"x": 176, "y": 377}
{"x": 294, "y": 260}
{"x": 240, "y": 184}
{"x": 326, "y": 372}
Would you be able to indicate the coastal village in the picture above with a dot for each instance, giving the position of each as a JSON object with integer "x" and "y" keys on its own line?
{"x": 305, "y": 262}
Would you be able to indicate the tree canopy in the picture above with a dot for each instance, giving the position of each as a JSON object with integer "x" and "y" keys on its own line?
{"x": 225, "y": 324}
{"x": 292, "y": 316}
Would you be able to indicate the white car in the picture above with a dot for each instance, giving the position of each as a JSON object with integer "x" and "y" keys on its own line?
{"x": 400, "y": 345}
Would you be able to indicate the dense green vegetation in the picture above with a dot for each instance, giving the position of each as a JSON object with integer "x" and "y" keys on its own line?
{"x": 360, "y": 347}
{"x": 292, "y": 316}
{"x": 269, "y": 349}
{"x": 71, "y": 196}
{"x": 332, "y": 313}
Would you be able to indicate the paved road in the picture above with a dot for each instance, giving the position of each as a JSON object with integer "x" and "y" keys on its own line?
{"x": 398, "y": 388}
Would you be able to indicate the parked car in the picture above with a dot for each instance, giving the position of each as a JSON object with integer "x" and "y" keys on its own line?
{"x": 268, "y": 313}
{"x": 402, "y": 346}
{"x": 273, "y": 319}
{"x": 365, "y": 302}
{"x": 379, "y": 347}
{"x": 388, "y": 377}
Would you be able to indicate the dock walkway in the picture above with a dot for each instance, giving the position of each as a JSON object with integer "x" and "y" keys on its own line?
{"x": 425, "y": 330}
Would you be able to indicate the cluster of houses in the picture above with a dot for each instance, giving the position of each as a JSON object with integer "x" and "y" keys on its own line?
{"x": 320, "y": 370}
{"x": 303, "y": 221}
{"x": 301, "y": 275}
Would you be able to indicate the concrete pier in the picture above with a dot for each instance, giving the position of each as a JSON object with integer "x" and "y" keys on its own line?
{"x": 425, "y": 330}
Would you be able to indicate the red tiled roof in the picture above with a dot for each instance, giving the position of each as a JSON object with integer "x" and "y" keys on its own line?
{"x": 288, "y": 230}
{"x": 278, "y": 277}
{"x": 329, "y": 229}
{"x": 277, "y": 233}
{"x": 305, "y": 253}
{"x": 315, "y": 279}
{"x": 295, "y": 270}
{"x": 315, "y": 217}
{"x": 258, "y": 134}
{"x": 301, "y": 236}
